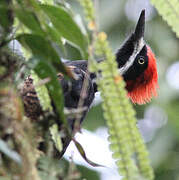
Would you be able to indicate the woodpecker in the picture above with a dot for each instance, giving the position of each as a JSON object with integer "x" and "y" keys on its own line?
{"x": 136, "y": 64}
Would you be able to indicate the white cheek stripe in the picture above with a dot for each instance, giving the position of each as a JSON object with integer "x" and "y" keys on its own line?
{"x": 137, "y": 48}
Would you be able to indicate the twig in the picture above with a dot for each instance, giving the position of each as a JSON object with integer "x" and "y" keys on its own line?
{"x": 83, "y": 95}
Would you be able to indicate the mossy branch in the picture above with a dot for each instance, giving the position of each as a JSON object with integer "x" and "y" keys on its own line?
{"x": 23, "y": 133}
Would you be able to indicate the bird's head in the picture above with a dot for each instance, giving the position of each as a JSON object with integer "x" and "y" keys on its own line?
{"x": 137, "y": 65}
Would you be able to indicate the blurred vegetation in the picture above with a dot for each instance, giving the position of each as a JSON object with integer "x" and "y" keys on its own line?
{"x": 164, "y": 144}
{"x": 116, "y": 18}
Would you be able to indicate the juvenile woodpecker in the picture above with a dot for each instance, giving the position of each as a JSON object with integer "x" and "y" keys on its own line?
{"x": 136, "y": 64}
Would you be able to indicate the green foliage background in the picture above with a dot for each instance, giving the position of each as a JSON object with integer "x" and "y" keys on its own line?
{"x": 112, "y": 19}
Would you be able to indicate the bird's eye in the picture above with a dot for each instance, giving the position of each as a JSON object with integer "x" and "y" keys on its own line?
{"x": 141, "y": 60}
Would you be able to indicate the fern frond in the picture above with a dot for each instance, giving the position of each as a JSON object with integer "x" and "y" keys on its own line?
{"x": 125, "y": 139}
{"x": 89, "y": 9}
{"x": 169, "y": 10}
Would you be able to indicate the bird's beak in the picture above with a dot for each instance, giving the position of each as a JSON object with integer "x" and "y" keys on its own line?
{"x": 140, "y": 27}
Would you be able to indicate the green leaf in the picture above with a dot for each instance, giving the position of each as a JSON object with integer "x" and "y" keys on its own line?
{"x": 65, "y": 24}
{"x": 54, "y": 35}
{"x": 51, "y": 2}
{"x": 44, "y": 69}
{"x": 43, "y": 48}
{"x": 30, "y": 20}
{"x": 83, "y": 154}
{"x": 56, "y": 137}
{"x": 169, "y": 12}
{"x": 42, "y": 93}
{"x": 6, "y": 19}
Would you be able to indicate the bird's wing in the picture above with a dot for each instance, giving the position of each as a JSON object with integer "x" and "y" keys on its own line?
{"x": 73, "y": 90}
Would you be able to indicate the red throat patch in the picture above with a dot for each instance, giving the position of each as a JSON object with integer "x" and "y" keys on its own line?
{"x": 144, "y": 87}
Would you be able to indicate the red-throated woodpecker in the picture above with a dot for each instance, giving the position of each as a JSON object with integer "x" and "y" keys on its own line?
{"x": 136, "y": 64}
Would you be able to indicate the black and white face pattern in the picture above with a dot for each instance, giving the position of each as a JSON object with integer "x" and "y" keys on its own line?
{"x": 132, "y": 56}
{"x": 132, "y": 59}
{"x": 138, "y": 66}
